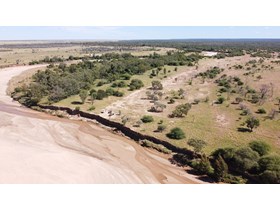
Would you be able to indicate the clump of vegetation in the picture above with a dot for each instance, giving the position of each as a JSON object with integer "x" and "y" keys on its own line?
{"x": 136, "y": 84}
{"x": 260, "y": 147}
{"x": 181, "y": 110}
{"x": 197, "y": 144}
{"x": 83, "y": 95}
{"x": 161, "y": 128}
{"x": 221, "y": 100}
{"x": 157, "y": 147}
{"x": 261, "y": 111}
{"x": 176, "y": 133}
{"x": 147, "y": 119}
{"x": 211, "y": 73}
{"x": 252, "y": 123}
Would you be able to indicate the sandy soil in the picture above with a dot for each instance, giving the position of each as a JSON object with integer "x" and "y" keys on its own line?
{"x": 38, "y": 148}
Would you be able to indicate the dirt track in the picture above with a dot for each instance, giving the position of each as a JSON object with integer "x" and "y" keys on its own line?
{"x": 38, "y": 148}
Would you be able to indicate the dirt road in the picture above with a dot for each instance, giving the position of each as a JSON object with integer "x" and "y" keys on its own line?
{"x": 38, "y": 148}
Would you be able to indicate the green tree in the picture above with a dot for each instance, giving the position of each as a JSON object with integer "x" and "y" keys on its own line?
{"x": 203, "y": 165}
{"x": 147, "y": 119}
{"x": 221, "y": 168}
{"x": 220, "y": 100}
{"x": 176, "y": 133}
{"x": 161, "y": 128}
{"x": 136, "y": 84}
{"x": 83, "y": 95}
{"x": 252, "y": 123}
{"x": 197, "y": 144}
{"x": 269, "y": 169}
{"x": 181, "y": 110}
{"x": 260, "y": 147}
{"x": 245, "y": 159}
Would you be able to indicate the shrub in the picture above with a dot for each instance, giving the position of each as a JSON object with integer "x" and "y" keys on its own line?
{"x": 221, "y": 169}
{"x": 260, "y": 147}
{"x": 220, "y": 100}
{"x": 91, "y": 108}
{"x": 101, "y": 94}
{"x": 197, "y": 144}
{"x": 203, "y": 165}
{"x": 83, "y": 95}
{"x": 136, "y": 84}
{"x": 156, "y": 85}
{"x": 181, "y": 110}
{"x": 157, "y": 147}
{"x": 176, "y": 133}
{"x": 252, "y": 123}
{"x": 261, "y": 111}
{"x": 161, "y": 128}
{"x": 147, "y": 119}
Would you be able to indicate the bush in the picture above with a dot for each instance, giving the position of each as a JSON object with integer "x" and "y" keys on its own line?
{"x": 197, "y": 144}
{"x": 161, "y": 128}
{"x": 181, "y": 110}
{"x": 83, "y": 95}
{"x": 220, "y": 100}
{"x": 157, "y": 147}
{"x": 252, "y": 123}
{"x": 270, "y": 169}
{"x": 147, "y": 119}
{"x": 260, "y": 147}
{"x": 261, "y": 111}
{"x": 176, "y": 133}
{"x": 101, "y": 94}
{"x": 91, "y": 108}
{"x": 203, "y": 165}
{"x": 136, "y": 84}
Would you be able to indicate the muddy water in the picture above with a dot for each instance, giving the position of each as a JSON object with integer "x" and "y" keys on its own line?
{"x": 38, "y": 148}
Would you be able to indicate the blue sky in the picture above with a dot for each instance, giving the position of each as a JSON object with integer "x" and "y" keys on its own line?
{"x": 135, "y": 32}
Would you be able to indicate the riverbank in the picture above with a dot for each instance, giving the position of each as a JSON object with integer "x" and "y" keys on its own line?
{"x": 38, "y": 148}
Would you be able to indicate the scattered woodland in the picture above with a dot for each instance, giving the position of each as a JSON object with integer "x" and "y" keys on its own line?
{"x": 225, "y": 107}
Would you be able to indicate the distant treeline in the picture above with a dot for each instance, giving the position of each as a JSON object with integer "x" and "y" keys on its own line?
{"x": 191, "y": 45}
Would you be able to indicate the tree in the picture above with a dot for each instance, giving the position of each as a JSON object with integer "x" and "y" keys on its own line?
{"x": 203, "y": 165}
{"x": 197, "y": 144}
{"x": 221, "y": 168}
{"x": 136, "y": 84}
{"x": 260, "y": 147}
{"x": 220, "y": 100}
{"x": 156, "y": 85}
{"x": 176, "y": 133}
{"x": 101, "y": 94}
{"x": 269, "y": 167}
{"x": 147, "y": 119}
{"x": 158, "y": 107}
{"x": 83, "y": 95}
{"x": 244, "y": 159}
{"x": 181, "y": 110}
{"x": 161, "y": 128}
{"x": 252, "y": 123}
{"x": 93, "y": 97}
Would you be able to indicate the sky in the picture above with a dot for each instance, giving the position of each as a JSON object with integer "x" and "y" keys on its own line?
{"x": 136, "y": 32}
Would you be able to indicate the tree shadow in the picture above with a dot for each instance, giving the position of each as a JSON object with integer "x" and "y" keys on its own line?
{"x": 240, "y": 129}
{"x": 76, "y": 102}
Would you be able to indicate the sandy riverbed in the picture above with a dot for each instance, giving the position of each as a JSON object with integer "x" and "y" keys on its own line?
{"x": 37, "y": 148}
